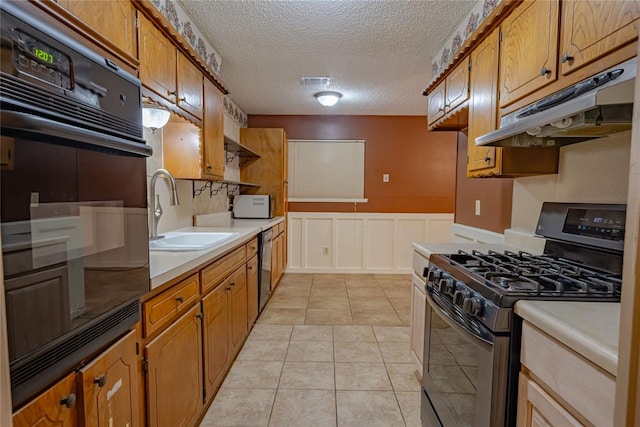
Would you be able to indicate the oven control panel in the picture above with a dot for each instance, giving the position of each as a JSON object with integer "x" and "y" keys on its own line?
{"x": 37, "y": 59}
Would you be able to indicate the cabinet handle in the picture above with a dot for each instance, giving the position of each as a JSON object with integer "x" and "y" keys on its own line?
{"x": 68, "y": 401}
{"x": 172, "y": 92}
{"x": 249, "y": 268}
{"x": 101, "y": 380}
{"x": 208, "y": 166}
{"x": 228, "y": 289}
{"x": 487, "y": 159}
{"x": 180, "y": 300}
{"x": 182, "y": 99}
{"x": 233, "y": 284}
{"x": 566, "y": 58}
{"x": 199, "y": 315}
{"x": 545, "y": 71}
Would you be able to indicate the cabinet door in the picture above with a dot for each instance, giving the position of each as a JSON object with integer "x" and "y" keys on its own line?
{"x": 174, "y": 377}
{"x": 483, "y": 105}
{"x": 529, "y": 49}
{"x": 114, "y": 19}
{"x": 418, "y": 301}
{"x": 238, "y": 284}
{"x": 158, "y": 58}
{"x": 457, "y": 84}
{"x": 436, "y": 106}
{"x": 110, "y": 386}
{"x": 252, "y": 290}
{"x": 217, "y": 354}
{"x": 538, "y": 409}
{"x": 189, "y": 86}
{"x": 593, "y": 28}
{"x": 214, "y": 159}
{"x": 275, "y": 262}
{"x": 55, "y": 407}
{"x": 282, "y": 258}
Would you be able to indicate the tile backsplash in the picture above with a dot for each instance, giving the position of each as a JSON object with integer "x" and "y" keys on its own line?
{"x": 596, "y": 171}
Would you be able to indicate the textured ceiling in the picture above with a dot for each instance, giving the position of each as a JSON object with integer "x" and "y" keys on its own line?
{"x": 377, "y": 53}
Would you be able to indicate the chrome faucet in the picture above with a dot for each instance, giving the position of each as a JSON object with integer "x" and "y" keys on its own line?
{"x": 154, "y": 205}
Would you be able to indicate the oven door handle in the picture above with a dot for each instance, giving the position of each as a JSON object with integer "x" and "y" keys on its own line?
{"x": 472, "y": 336}
{"x": 19, "y": 123}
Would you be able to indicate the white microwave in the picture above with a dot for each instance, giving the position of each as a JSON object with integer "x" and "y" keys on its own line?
{"x": 252, "y": 206}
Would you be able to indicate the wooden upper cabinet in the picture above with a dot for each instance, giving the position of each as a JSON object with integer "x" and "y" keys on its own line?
{"x": 213, "y": 132}
{"x": 57, "y": 407}
{"x": 592, "y": 29}
{"x": 436, "y": 109}
{"x": 113, "y": 19}
{"x": 158, "y": 58}
{"x": 457, "y": 85}
{"x": 529, "y": 49}
{"x": 174, "y": 377}
{"x": 483, "y": 106}
{"x": 189, "y": 86}
{"x": 110, "y": 386}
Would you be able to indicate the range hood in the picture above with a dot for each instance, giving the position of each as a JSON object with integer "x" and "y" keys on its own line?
{"x": 599, "y": 106}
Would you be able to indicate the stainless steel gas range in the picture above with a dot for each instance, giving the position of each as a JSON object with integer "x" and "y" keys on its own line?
{"x": 472, "y": 337}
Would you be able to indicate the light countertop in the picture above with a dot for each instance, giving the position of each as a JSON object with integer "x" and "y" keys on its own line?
{"x": 588, "y": 328}
{"x": 165, "y": 266}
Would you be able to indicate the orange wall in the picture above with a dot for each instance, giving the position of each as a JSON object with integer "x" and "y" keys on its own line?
{"x": 421, "y": 164}
{"x": 495, "y": 195}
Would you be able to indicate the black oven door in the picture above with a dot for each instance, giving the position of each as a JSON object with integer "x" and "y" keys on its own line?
{"x": 465, "y": 369}
{"x": 74, "y": 246}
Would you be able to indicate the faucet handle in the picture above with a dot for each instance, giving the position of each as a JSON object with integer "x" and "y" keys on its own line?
{"x": 158, "y": 211}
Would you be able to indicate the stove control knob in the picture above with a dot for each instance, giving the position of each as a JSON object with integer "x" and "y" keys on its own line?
{"x": 459, "y": 296}
{"x": 445, "y": 284}
{"x": 472, "y": 306}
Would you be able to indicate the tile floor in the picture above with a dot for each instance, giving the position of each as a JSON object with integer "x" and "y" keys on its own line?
{"x": 328, "y": 350}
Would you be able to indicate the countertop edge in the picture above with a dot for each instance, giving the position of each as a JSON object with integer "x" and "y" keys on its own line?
{"x": 588, "y": 346}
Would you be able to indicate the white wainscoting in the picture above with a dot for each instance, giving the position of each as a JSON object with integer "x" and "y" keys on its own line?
{"x": 360, "y": 242}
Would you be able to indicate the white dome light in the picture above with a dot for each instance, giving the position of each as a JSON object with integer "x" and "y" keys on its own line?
{"x": 154, "y": 117}
{"x": 328, "y": 98}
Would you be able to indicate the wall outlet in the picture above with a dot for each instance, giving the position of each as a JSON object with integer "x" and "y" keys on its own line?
{"x": 325, "y": 250}
{"x": 477, "y": 207}
{"x": 385, "y": 177}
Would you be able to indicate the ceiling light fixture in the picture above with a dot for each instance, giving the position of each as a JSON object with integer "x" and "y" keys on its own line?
{"x": 328, "y": 98}
{"x": 154, "y": 116}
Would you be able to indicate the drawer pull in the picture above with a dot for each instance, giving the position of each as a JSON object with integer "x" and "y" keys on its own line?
{"x": 544, "y": 71}
{"x": 180, "y": 300}
{"x": 101, "y": 380}
{"x": 68, "y": 401}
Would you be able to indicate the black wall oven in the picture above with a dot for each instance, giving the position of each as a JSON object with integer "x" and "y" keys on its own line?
{"x": 73, "y": 202}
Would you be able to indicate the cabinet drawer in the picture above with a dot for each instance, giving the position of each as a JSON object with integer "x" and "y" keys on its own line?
{"x": 584, "y": 386}
{"x": 159, "y": 310}
{"x": 50, "y": 408}
{"x": 252, "y": 247}
{"x": 219, "y": 270}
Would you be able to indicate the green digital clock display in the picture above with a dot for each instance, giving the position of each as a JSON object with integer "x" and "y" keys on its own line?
{"x": 43, "y": 55}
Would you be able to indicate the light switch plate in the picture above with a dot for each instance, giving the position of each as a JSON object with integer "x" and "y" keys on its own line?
{"x": 478, "y": 207}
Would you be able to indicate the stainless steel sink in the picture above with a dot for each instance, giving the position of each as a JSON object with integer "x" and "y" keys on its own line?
{"x": 189, "y": 241}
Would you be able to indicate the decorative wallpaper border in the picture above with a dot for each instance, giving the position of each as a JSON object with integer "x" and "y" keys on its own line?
{"x": 179, "y": 19}
{"x": 469, "y": 24}
{"x": 234, "y": 112}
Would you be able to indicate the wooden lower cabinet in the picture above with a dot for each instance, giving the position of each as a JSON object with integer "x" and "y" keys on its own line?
{"x": 174, "y": 376}
{"x": 536, "y": 408}
{"x": 110, "y": 386}
{"x": 57, "y": 406}
{"x": 216, "y": 338}
{"x": 252, "y": 291}
{"x": 237, "y": 283}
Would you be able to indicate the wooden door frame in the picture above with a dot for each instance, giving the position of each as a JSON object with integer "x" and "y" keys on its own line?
{"x": 627, "y": 411}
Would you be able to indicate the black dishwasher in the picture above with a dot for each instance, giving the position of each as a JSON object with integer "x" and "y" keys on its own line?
{"x": 264, "y": 275}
